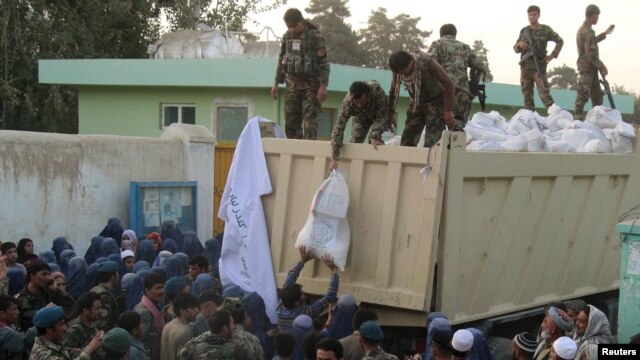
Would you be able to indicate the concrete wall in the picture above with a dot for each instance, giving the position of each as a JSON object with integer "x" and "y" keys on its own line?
{"x": 70, "y": 185}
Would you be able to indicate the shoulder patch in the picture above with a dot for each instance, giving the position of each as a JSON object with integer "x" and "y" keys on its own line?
{"x": 322, "y": 52}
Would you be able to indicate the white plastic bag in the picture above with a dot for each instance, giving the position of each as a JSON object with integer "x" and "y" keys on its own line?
{"x": 603, "y": 117}
{"x": 332, "y": 197}
{"x": 481, "y": 145}
{"x": 516, "y": 143}
{"x": 597, "y": 146}
{"x": 324, "y": 233}
{"x": 536, "y": 142}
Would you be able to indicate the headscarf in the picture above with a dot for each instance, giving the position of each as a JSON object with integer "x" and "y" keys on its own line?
{"x": 93, "y": 252}
{"x": 598, "y": 330}
{"x": 155, "y": 236}
{"x": 17, "y": 280}
{"x": 140, "y": 265}
{"x": 126, "y": 281}
{"x": 178, "y": 265}
{"x": 202, "y": 283}
{"x": 254, "y": 305}
{"x": 128, "y": 244}
{"x": 59, "y": 245}
{"x": 146, "y": 252}
{"x": 342, "y": 319}
{"x": 65, "y": 257}
{"x": 212, "y": 252}
{"x": 437, "y": 322}
{"x": 480, "y": 349}
{"x": 590, "y": 349}
{"x": 108, "y": 247}
{"x": 134, "y": 293}
{"x": 170, "y": 231}
{"x": 114, "y": 230}
{"x": 47, "y": 256}
{"x": 161, "y": 259}
{"x": 76, "y": 276}
{"x": 169, "y": 245}
{"x": 54, "y": 266}
{"x": 192, "y": 245}
{"x": 101, "y": 259}
{"x": 90, "y": 280}
{"x": 22, "y": 253}
{"x": 302, "y": 325}
{"x": 160, "y": 270}
{"x": 232, "y": 290}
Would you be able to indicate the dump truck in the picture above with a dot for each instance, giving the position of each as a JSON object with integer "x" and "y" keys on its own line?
{"x": 488, "y": 238}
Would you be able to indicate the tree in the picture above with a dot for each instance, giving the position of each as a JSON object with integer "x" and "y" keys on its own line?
{"x": 384, "y": 36}
{"x": 563, "y": 77}
{"x": 341, "y": 41}
{"x": 481, "y": 53}
{"x": 219, "y": 14}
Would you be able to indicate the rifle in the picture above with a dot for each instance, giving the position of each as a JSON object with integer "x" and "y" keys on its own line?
{"x": 607, "y": 90}
{"x": 477, "y": 89}
{"x": 533, "y": 52}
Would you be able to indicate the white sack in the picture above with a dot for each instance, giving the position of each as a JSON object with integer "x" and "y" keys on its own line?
{"x": 626, "y": 129}
{"x": 536, "y": 142}
{"x": 332, "y": 197}
{"x": 492, "y": 119}
{"x": 486, "y": 134}
{"x": 559, "y": 146}
{"x": 603, "y": 117}
{"x": 597, "y": 146}
{"x": 481, "y": 145}
{"x": 516, "y": 143}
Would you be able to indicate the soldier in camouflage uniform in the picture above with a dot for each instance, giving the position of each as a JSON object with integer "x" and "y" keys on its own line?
{"x": 367, "y": 103}
{"x": 432, "y": 94}
{"x": 215, "y": 344}
{"x": 242, "y": 337}
{"x": 371, "y": 337}
{"x": 107, "y": 274}
{"x": 589, "y": 62}
{"x": 35, "y": 295}
{"x": 82, "y": 329}
{"x": 455, "y": 57}
{"x": 304, "y": 66}
{"x": 541, "y": 35}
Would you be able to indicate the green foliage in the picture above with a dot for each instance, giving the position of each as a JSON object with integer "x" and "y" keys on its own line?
{"x": 563, "y": 77}
{"x": 341, "y": 41}
{"x": 481, "y": 53}
{"x": 384, "y": 36}
{"x": 621, "y": 90}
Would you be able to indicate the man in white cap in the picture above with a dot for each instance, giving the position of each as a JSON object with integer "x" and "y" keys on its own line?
{"x": 555, "y": 325}
{"x": 564, "y": 348}
{"x": 129, "y": 260}
{"x": 462, "y": 342}
{"x": 523, "y": 346}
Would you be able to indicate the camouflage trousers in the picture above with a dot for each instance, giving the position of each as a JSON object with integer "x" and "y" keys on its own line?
{"x": 429, "y": 115}
{"x": 301, "y": 107}
{"x": 360, "y": 128}
{"x": 528, "y": 77}
{"x": 588, "y": 87}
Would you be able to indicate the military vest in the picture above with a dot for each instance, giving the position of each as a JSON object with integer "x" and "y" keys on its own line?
{"x": 300, "y": 58}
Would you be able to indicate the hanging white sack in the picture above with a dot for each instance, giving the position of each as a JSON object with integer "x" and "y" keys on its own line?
{"x": 327, "y": 229}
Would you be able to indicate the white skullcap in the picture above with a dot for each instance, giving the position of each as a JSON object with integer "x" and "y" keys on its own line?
{"x": 565, "y": 347}
{"x": 462, "y": 340}
{"x": 126, "y": 253}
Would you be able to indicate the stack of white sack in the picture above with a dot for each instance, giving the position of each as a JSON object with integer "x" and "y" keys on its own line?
{"x": 603, "y": 131}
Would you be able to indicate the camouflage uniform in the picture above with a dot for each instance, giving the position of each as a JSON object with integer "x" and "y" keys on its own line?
{"x": 211, "y": 346}
{"x": 373, "y": 116}
{"x": 528, "y": 72}
{"x": 249, "y": 342}
{"x": 4, "y": 286}
{"x": 110, "y": 312}
{"x": 78, "y": 335}
{"x": 304, "y": 66}
{"x": 28, "y": 304}
{"x": 428, "y": 110}
{"x": 379, "y": 354}
{"x": 45, "y": 350}
{"x": 455, "y": 57}
{"x": 588, "y": 65}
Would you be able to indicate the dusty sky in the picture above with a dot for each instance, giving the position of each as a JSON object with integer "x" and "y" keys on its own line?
{"x": 497, "y": 23}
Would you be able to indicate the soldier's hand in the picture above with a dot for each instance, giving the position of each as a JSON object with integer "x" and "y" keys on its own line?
{"x": 392, "y": 123}
{"x": 274, "y": 91}
{"x": 610, "y": 29}
{"x": 603, "y": 70}
{"x": 376, "y": 142}
{"x": 333, "y": 164}
{"x": 3, "y": 266}
{"x": 95, "y": 343}
{"x": 449, "y": 119}
{"x": 322, "y": 93}
{"x": 548, "y": 58}
{"x": 523, "y": 45}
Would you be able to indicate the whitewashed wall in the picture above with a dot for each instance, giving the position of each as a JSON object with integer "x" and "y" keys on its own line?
{"x": 69, "y": 185}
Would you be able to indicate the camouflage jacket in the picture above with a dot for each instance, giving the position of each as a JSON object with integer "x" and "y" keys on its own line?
{"x": 78, "y": 335}
{"x": 376, "y": 110}
{"x": 28, "y": 304}
{"x": 455, "y": 57}
{"x": 379, "y": 354}
{"x": 540, "y": 36}
{"x": 303, "y": 60}
{"x": 45, "y": 350}
{"x": 588, "y": 53}
{"x": 110, "y": 312}
{"x": 249, "y": 342}
{"x": 211, "y": 346}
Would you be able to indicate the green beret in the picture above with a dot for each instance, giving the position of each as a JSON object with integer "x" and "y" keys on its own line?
{"x": 175, "y": 285}
{"x": 117, "y": 340}
{"x": 48, "y": 316}
{"x": 108, "y": 267}
{"x": 593, "y": 9}
{"x": 371, "y": 331}
{"x": 231, "y": 303}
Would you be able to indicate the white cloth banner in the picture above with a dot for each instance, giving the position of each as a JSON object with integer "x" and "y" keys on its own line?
{"x": 246, "y": 256}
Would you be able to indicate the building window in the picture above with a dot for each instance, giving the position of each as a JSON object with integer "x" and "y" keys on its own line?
{"x": 325, "y": 123}
{"x": 178, "y": 113}
{"x": 231, "y": 121}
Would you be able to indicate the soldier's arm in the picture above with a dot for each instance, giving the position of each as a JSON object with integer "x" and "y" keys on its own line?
{"x": 322, "y": 58}
{"x": 382, "y": 109}
{"x": 71, "y": 338}
{"x": 449, "y": 89}
{"x": 337, "y": 134}
{"x": 279, "y": 71}
{"x": 517, "y": 47}
{"x": 590, "y": 46}
{"x": 555, "y": 37}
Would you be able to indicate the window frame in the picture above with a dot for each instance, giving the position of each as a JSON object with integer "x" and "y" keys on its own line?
{"x": 334, "y": 113}
{"x": 243, "y": 102}
{"x": 180, "y": 106}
